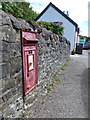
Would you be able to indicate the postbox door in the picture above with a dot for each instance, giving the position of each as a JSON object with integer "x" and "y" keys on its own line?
{"x": 30, "y": 74}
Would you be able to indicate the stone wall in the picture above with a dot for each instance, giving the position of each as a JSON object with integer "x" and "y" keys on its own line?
{"x": 53, "y": 52}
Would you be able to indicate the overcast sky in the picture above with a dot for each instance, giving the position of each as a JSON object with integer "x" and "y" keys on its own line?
{"x": 78, "y": 10}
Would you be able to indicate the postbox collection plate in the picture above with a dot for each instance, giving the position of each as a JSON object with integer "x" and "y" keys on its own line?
{"x": 30, "y": 62}
{"x": 29, "y": 58}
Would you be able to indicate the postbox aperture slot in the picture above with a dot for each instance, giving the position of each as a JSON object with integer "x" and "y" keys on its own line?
{"x": 31, "y": 41}
{"x": 28, "y": 41}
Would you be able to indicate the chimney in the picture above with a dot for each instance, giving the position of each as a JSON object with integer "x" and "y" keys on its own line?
{"x": 67, "y": 13}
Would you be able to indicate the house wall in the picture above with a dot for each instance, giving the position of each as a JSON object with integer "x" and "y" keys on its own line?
{"x": 51, "y": 15}
{"x": 53, "y": 52}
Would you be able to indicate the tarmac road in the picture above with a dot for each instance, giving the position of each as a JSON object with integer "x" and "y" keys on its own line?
{"x": 84, "y": 57}
{"x": 69, "y": 99}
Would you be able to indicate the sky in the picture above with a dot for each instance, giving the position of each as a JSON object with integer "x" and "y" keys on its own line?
{"x": 78, "y": 10}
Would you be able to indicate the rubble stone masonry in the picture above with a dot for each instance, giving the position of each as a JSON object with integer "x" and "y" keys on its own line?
{"x": 53, "y": 52}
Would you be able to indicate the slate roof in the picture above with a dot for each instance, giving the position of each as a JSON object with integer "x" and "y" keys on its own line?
{"x": 58, "y": 10}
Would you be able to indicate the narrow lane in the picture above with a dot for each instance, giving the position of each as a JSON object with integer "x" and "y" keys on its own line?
{"x": 69, "y": 99}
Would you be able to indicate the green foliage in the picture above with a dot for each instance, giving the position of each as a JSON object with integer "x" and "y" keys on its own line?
{"x": 69, "y": 59}
{"x": 23, "y": 114}
{"x": 56, "y": 80}
{"x": 21, "y": 10}
{"x": 48, "y": 88}
{"x": 84, "y": 37}
{"x": 74, "y": 50}
{"x": 54, "y": 27}
{"x": 63, "y": 67}
{"x": 88, "y": 38}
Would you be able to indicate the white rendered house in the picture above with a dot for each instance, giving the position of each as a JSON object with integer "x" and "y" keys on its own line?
{"x": 52, "y": 14}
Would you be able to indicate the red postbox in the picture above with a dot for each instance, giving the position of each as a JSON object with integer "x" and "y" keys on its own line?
{"x": 29, "y": 55}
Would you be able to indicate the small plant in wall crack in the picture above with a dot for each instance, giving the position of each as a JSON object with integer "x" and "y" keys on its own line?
{"x": 24, "y": 114}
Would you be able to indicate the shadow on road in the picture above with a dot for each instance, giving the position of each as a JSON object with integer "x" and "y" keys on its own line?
{"x": 85, "y": 89}
{"x": 88, "y": 93}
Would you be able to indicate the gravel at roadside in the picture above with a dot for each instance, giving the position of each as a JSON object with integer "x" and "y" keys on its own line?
{"x": 68, "y": 99}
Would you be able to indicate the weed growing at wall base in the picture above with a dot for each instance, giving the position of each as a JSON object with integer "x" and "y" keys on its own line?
{"x": 63, "y": 67}
{"x": 69, "y": 59}
{"x": 55, "y": 81}
{"x": 48, "y": 88}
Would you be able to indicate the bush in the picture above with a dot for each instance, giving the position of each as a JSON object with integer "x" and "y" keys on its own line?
{"x": 73, "y": 51}
{"x": 53, "y": 27}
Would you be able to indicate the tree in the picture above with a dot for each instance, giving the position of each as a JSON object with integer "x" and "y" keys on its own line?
{"x": 19, "y": 10}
